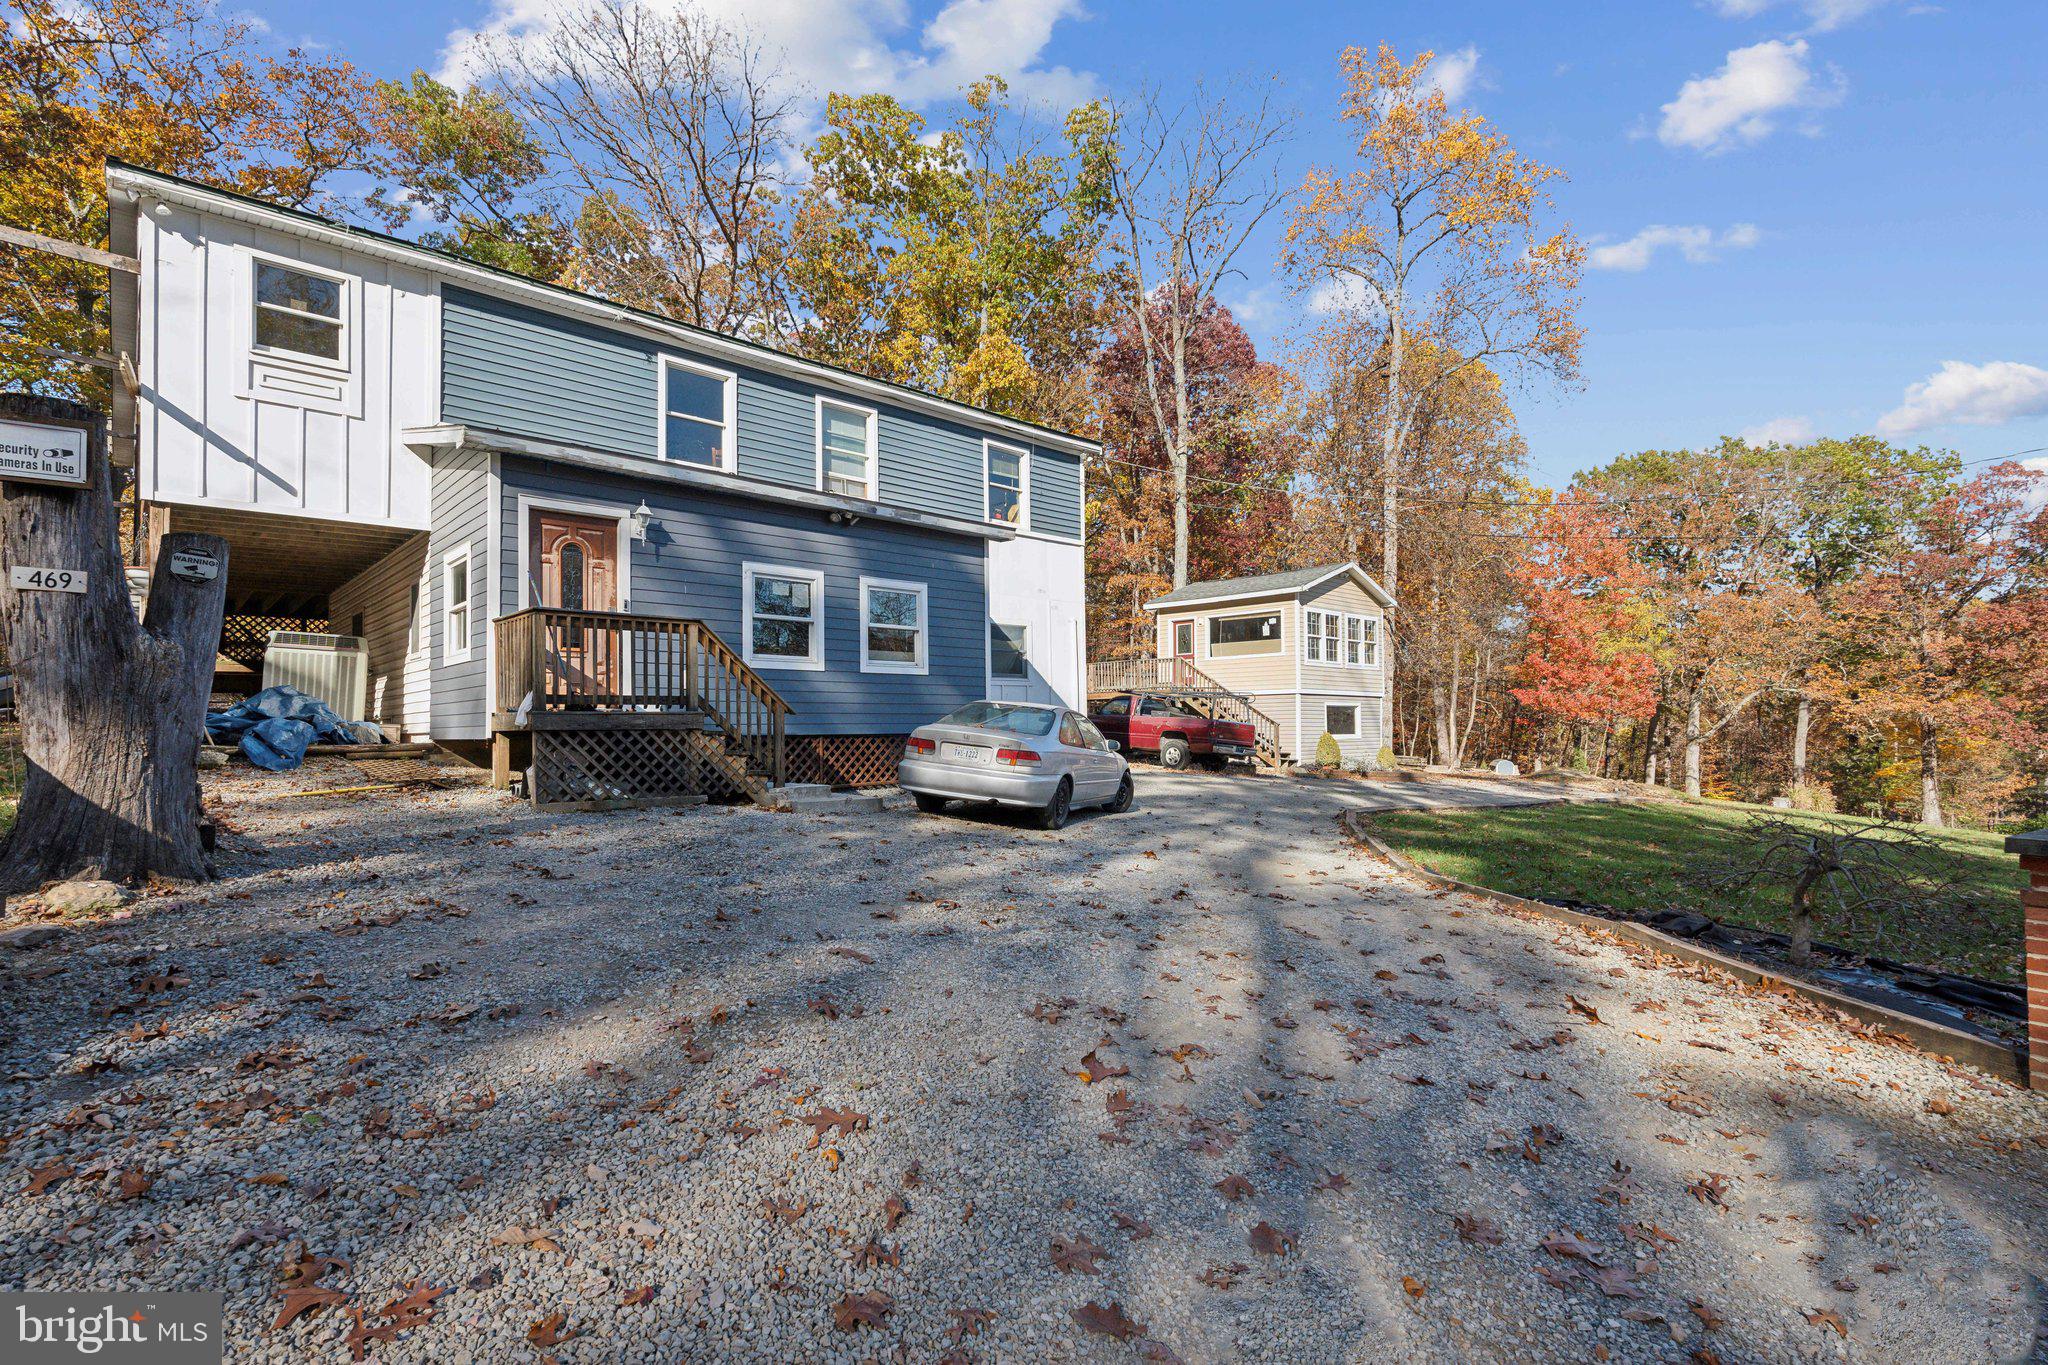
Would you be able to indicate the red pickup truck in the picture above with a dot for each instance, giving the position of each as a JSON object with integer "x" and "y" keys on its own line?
{"x": 1178, "y": 733}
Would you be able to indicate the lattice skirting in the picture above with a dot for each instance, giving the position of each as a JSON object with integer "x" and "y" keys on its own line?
{"x": 616, "y": 767}
{"x": 245, "y": 638}
{"x": 843, "y": 760}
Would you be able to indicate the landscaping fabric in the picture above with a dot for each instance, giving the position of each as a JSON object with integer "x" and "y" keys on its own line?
{"x": 276, "y": 726}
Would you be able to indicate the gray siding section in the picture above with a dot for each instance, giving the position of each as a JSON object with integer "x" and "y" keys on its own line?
{"x": 510, "y": 367}
{"x": 690, "y": 565}
{"x": 1055, "y": 493}
{"x": 383, "y": 595}
{"x": 460, "y": 502}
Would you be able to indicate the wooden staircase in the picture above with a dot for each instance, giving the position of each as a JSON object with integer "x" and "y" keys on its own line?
{"x": 1181, "y": 680}
{"x": 605, "y": 708}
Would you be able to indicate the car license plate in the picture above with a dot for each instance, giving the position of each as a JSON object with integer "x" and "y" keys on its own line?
{"x": 964, "y": 753}
{"x": 1236, "y": 749}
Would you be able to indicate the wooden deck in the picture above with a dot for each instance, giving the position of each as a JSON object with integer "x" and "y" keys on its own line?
{"x": 608, "y": 707}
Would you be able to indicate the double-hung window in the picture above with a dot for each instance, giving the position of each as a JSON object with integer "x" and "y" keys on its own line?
{"x": 894, "y": 631}
{"x": 846, "y": 449}
{"x": 455, "y": 631}
{"x": 300, "y": 313}
{"x": 1370, "y": 631}
{"x": 697, "y": 421}
{"x": 1009, "y": 484}
{"x": 1312, "y": 638}
{"x": 785, "y": 616}
{"x": 1354, "y": 641}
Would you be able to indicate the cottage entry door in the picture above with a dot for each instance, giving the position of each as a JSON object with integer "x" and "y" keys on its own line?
{"x": 573, "y": 561}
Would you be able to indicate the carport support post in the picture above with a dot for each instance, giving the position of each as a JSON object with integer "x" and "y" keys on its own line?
{"x": 2033, "y": 851}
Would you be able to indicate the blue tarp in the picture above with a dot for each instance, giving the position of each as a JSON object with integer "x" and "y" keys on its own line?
{"x": 276, "y": 726}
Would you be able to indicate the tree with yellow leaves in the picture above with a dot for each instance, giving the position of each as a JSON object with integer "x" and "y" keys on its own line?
{"x": 1432, "y": 240}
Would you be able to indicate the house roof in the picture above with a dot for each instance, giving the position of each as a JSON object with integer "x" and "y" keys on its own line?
{"x": 1289, "y": 582}
{"x": 486, "y": 276}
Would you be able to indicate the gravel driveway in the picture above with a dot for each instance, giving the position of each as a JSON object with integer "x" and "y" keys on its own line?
{"x": 728, "y": 1084}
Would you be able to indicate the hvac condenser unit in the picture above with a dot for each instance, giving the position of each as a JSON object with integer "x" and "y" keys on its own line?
{"x": 334, "y": 668}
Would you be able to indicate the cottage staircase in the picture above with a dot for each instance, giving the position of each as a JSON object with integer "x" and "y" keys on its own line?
{"x": 1181, "y": 680}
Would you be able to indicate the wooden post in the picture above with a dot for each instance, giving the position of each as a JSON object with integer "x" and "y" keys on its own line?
{"x": 2033, "y": 851}
{"x": 112, "y": 711}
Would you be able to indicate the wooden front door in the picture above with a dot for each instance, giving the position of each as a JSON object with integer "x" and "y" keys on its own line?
{"x": 1184, "y": 639}
{"x": 573, "y": 564}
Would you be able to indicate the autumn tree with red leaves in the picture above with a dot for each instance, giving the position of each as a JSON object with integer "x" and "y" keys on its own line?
{"x": 1584, "y": 592}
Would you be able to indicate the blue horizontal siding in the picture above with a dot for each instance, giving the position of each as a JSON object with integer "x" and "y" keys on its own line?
{"x": 690, "y": 565}
{"x": 511, "y": 367}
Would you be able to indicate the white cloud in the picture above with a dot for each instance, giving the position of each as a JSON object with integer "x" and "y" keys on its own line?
{"x": 1958, "y": 393}
{"x": 853, "y": 46}
{"x": 1823, "y": 15}
{"x": 1744, "y": 101}
{"x": 1696, "y": 244}
{"x": 1347, "y": 295}
{"x": 1454, "y": 73}
{"x": 1785, "y": 431}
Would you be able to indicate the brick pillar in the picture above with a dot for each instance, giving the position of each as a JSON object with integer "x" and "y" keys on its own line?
{"x": 2033, "y": 851}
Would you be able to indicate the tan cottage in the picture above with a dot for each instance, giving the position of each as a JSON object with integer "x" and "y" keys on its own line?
{"x": 1306, "y": 648}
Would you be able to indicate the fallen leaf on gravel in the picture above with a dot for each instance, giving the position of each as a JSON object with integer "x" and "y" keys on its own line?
{"x": 280, "y": 1178}
{"x": 1334, "y": 1181}
{"x": 548, "y": 1331}
{"x": 853, "y": 1310}
{"x": 874, "y": 1256}
{"x": 1107, "y": 1320}
{"x": 1416, "y": 1288}
{"x": 856, "y": 954}
{"x": 1268, "y": 1240}
{"x": 1581, "y": 1007}
{"x": 1615, "y": 1282}
{"x": 1078, "y": 1254}
{"x": 1711, "y": 1190}
{"x": 1940, "y": 1106}
{"x": 788, "y": 1213}
{"x": 893, "y": 1210}
{"x": 1569, "y": 1245}
{"x": 1234, "y": 1188}
{"x": 968, "y": 1322}
{"x": 1828, "y": 1317}
{"x": 1219, "y": 1276}
{"x": 42, "y": 1177}
{"x": 525, "y": 1237}
{"x": 1094, "y": 1069}
{"x": 1478, "y": 1231}
{"x": 1709, "y": 1319}
{"x": 847, "y": 1121}
{"x": 1137, "y": 1227}
{"x": 635, "y": 1298}
{"x": 133, "y": 1185}
{"x": 1562, "y": 1276}
{"x": 310, "y": 1299}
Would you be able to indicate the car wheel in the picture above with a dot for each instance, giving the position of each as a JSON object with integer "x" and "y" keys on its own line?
{"x": 929, "y": 804}
{"x": 1056, "y": 811}
{"x": 1126, "y": 793}
{"x": 1174, "y": 753}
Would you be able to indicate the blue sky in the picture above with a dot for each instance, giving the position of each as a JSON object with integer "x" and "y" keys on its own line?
{"x": 1818, "y": 216}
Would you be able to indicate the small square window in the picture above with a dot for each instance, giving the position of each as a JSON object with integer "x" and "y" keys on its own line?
{"x": 1007, "y": 653}
{"x": 1341, "y": 722}
{"x": 299, "y": 312}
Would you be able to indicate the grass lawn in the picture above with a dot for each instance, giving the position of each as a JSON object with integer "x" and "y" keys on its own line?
{"x": 1639, "y": 857}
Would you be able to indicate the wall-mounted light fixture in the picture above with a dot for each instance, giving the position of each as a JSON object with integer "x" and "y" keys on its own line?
{"x": 641, "y": 516}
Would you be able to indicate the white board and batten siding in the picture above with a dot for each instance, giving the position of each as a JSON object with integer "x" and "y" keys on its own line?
{"x": 1036, "y": 582}
{"x": 222, "y": 425}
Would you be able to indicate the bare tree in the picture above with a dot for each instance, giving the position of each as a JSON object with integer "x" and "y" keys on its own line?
{"x": 1877, "y": 869}
{"x": 671, "y": 131}
{"x": 1191, "y": 182}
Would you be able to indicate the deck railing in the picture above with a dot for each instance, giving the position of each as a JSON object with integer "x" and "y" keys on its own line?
{"x": 554, "y": 662}
{"x": 1180, "y": 678}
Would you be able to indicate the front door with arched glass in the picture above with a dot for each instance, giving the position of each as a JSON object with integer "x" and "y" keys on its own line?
{"x": 572, "y": 562}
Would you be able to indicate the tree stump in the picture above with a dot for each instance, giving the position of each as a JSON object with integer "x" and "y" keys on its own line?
{"x": 112, "y": 712}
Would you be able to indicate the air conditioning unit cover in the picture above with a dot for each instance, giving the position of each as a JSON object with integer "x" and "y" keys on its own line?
{"x": 334, "y": 668}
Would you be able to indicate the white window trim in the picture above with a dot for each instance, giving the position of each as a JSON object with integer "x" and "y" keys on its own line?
{"x": 1023, "y": 454}
{"x": 995, "y": 677}
{"x": 1369, "y": 627}
{"x": 344, "y": 318}
{"x": 450, "y": 654}
{"x": 924, "y": 633}
{"x": 816, "y": 661}
{"x": 874, "y": 445}
{"x": 1351, "y": 706}
{"x": 1312, "y": 635}
{"x": 729, "y": 448}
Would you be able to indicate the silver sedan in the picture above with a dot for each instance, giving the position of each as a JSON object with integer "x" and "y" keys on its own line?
{"x": 1044, "y": 758}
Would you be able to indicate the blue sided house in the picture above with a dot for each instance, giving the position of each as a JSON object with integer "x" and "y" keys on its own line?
{"x": 629, "y": 558}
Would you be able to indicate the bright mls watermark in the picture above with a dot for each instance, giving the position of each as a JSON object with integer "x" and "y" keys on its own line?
{"x": 124, "y": 1329}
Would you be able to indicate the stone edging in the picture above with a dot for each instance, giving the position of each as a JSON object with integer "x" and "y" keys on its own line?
{"x": 1998, "y": 1060}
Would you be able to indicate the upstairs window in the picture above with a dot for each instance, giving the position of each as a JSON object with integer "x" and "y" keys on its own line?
{"x": 1009, "y": 484}
{"x": 893, "y": 627}
{"x": 846, "y": 449}
{"x": 1006, "y": 651}
{"x": 1312, "y": 638}
{"x": 785, "y": 617}
{"x": 1369, "y": 631}
{"x": 299, "y": 313}
{"x": 697, "y": 425}
{"x": 1354, "y": 641}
